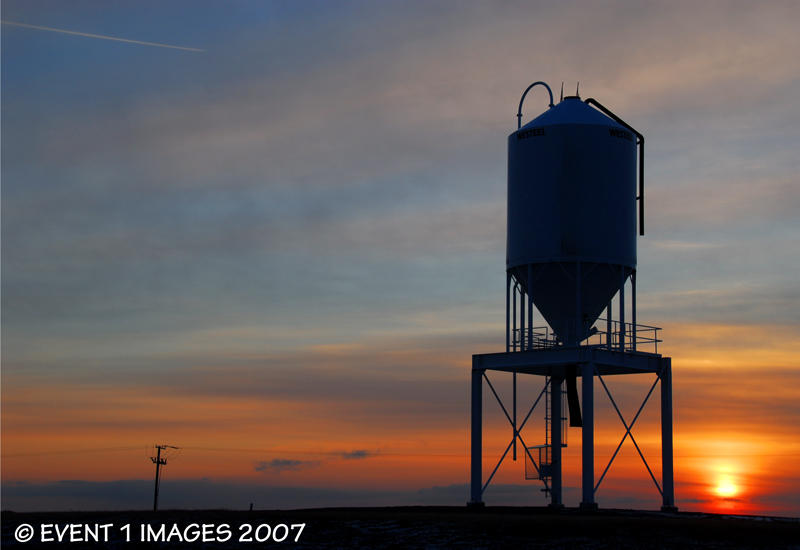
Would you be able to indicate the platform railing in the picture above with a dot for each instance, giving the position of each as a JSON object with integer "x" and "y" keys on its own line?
{"x": 641, "y": 338}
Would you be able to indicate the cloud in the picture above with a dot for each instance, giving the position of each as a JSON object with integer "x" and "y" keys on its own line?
{"x": 216, "y": 494}
{"x": 144, "y": 210}
{"x": 283, "y": 465}
{"x": 185, "y": 494}
{"x": 724, "y": 302}
{"x": 357, "y": 454}
{"x": 206, "y": 494}
{"x": 759, "y": 198}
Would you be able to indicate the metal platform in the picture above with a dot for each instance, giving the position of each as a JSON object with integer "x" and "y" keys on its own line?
{"x": 553, "y": 361}
{"x": 558, "y": 364}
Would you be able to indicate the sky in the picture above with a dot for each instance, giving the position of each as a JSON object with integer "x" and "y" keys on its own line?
{"x": 273, "y": 234}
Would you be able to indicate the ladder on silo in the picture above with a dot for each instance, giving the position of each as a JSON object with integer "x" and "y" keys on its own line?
{"x": 545, "y": 470}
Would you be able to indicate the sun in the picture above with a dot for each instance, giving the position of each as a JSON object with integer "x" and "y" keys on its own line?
{"x": 726, "y": 487}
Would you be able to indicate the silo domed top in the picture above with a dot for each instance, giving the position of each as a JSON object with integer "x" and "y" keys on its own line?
{"x": 571, "y": 110}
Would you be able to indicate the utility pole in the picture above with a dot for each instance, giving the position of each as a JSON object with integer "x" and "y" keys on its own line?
{"x": 158, "y": 461}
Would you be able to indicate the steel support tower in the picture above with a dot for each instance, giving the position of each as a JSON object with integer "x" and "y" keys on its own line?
{"x": 617, "y": 350}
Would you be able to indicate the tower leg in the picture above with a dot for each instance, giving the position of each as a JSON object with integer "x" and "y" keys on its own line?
{"x": 514, "y": 417}
{"x": 668, "y": 485}
{"x": 587, "y": 434}
{"x": 555, "y": 441}
{"x": 476, "y": 466}
{"x": 622, "y": 311}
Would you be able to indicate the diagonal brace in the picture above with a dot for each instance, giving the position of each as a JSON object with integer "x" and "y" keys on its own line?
{"x": 499, "y": 462}
{"x": 516, "y": 432}
{"x": 499, "y": 402}
{"x": 628, "y": 433}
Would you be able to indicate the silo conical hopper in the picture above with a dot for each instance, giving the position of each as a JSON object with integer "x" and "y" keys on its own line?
{"x": 571, "y": 213}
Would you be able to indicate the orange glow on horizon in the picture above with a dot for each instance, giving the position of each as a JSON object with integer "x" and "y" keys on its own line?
{"x": 727, "y": 458}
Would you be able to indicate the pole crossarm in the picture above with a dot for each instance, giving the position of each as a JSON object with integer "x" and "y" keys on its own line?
{"x": 628, "y": 433}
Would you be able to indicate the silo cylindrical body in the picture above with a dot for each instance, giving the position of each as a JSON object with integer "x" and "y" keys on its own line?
{"x": 572, "y": 179}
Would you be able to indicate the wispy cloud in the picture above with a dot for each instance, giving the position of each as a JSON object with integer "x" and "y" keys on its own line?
{"x": 357, "y": 454}
{"x": 283, "y": 465}
{"x": 680, "y": 246}
{"x": 101, "y": 36}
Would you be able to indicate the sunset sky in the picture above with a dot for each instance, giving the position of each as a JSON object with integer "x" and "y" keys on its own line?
{"x": 273, "y": 234}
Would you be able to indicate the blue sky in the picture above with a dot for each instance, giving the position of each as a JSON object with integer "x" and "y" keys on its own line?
{"x": 329, "y": 176}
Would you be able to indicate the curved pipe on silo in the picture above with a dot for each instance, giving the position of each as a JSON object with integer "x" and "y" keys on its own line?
{"x": 519, "y": 110}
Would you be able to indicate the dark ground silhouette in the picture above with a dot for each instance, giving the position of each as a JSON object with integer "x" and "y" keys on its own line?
{"x": 429, "y": 527}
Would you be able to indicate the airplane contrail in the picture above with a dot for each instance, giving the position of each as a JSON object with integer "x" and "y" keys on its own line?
{"x": 101, "y": 36}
